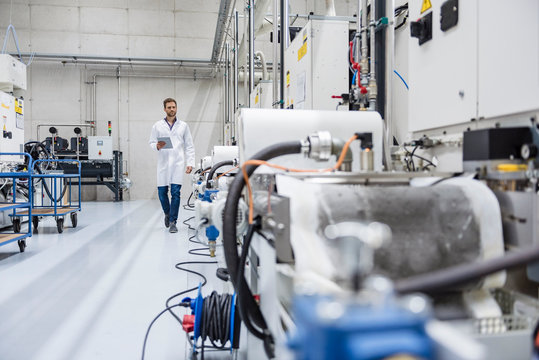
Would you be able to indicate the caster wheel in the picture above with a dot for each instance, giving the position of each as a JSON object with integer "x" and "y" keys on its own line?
{"x": 16, "y": 225}
{"x": 73, "y": 217}
{"x": 22, "y": 245}
{"x": 35, "y": 222}
{"x": 60, "y": 225}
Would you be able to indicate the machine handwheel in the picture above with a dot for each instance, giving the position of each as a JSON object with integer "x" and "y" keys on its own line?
{"x": 35, "y": 222}
{"x": 16, "y": 225}
{"x": 22, "y": 245}
{"x": 73, "y": 219}
{"x": 60, "y": 225}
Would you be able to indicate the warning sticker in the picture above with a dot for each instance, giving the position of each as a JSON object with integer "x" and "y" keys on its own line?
{"x": 18, "y": 106}
{"x": 287, "y": 78}
{"x": 303, "y": 49}
{"x": 426, "y": 5}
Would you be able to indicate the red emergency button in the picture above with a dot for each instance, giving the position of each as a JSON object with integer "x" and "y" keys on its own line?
{"x": 99, "y": 152}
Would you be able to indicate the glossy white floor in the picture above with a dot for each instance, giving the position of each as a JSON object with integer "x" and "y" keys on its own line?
{"x": 91, "y": 292}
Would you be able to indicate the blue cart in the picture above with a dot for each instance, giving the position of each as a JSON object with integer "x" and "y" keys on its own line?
{"x": 56, "y": 193}
{"x": 18, "y": 178}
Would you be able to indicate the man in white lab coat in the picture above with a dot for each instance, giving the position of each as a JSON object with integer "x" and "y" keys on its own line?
{"x": 172, "y": 158}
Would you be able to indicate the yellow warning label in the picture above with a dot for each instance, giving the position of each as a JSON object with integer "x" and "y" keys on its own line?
{"x": 426, "y": 5}
{"x": 302, "y": 51}
{"x": 18, "y": 106}
{"x": 288, "y": 78}
{"x": 256, "y": 99}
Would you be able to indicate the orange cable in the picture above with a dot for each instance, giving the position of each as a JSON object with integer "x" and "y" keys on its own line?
{"x": 279, "y": 167}
{"x": 226, "y": 172}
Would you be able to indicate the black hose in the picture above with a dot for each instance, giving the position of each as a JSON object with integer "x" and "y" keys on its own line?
{"x": 230, "y": 234}
{"x": 215, "y": 167}
{"x": 443, "y": 280}
{"x": 243, "y": 289}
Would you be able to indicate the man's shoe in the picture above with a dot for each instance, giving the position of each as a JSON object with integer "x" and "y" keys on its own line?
{"x": 167, "y": 221}
{"x": 173, "y": 228}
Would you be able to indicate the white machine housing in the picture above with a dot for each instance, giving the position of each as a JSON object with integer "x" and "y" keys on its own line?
{"x": 12, "y": 120}
{"x": 224, "y": 153}
{"x": 487, "y": 70}
{"x": 259, "y": 128}
{"x": 12, "y": 74}
{"x": 99, "y": 148}
{"x": 316, "y": 66}
{"x": 262, "y": 95}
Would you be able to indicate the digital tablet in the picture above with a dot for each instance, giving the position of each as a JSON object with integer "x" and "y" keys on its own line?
{"x": 167, "y": 141}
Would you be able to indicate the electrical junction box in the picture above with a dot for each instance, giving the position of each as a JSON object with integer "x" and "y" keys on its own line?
{"x": 262, "y": 95}
{"x": 473, "y": 67}
{"x": 316, "y": 66}
{"x": 12, "y": 122}
{"x": 12, "y": 74}
{"x": 99, "y": 148}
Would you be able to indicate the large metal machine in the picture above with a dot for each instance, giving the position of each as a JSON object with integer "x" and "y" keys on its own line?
{"x": 388, "y": 232}
{"x": 100, "y": 164}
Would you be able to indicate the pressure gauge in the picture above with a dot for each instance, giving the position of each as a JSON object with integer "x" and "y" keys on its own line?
{"x": 528, "y": 151}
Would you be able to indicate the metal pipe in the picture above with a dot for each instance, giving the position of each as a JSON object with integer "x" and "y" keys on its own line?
{"x": 119, "y": 105}
{"x": 81, "y": 59}
{"x": 284, "y": 16}
{"x": 330, "y": 8}
{"x": 236, "y": 44}
{"x": 94, "y": 115}
{"x": 227, "y": 83}
{"x": 351, "y": 19}
{"x": 364, "y": 63}
{"x": 260, "y": 55}
{"x": 275, "y": 54}
{"x": 373, "y": 93}
{"x": 286, "y": 24}
{"x": 251, "y": 48}
{"x": 390, "y": 65}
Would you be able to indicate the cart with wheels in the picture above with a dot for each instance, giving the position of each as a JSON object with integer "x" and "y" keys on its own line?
{"x": 17, "y": 177}
{"x": 55, "y": 190}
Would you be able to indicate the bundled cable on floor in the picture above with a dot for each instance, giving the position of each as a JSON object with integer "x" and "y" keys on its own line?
{"x": 214, "y": 318}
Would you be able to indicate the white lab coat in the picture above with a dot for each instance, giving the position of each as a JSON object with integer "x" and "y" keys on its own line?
{"x": 171, "y": 163}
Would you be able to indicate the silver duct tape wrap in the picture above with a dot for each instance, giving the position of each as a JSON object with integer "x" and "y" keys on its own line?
{"x": 433, "y": 227}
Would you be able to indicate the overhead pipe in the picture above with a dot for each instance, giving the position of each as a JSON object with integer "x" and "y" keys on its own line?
{"x": 120, "y": 60}
{"x": 275, "y": 54}
{"x": 251, "y": 48}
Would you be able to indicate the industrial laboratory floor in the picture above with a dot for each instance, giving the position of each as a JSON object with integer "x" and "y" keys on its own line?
{"x": 91, "y": 292}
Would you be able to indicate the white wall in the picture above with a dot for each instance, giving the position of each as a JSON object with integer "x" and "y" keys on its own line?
{"x": 61, "y": 94}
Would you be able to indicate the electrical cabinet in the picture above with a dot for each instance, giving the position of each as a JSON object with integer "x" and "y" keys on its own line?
{"x": 12, "y": 74}
{"x": 471, "y": 60}
{"x": 99, "y": 148}
{"x": 316, "y": 66}
{"x": 12, "y": 122}
{"x": 262, "y": 95}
